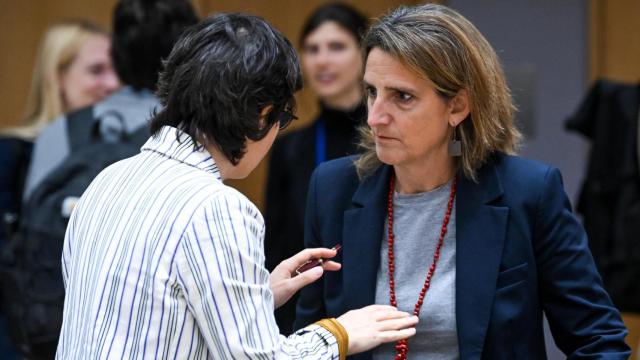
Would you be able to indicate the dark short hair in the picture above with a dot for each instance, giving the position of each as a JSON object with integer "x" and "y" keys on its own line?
{"x": 344, "y": 15}
{"x": 144, "y": 32}
{"x": 220, "y": 75}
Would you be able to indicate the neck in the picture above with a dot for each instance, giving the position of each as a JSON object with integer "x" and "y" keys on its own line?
{"x": 425, "y": 175}
{"x": 346, "y": 100}
{"x": 227, "y": 169}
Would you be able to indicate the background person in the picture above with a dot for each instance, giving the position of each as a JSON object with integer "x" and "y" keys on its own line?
{"x": 332, "y": 65}
{"x": 161, "y": 259}
{"x": 438, "y": 216}
{"x": 72, "y": 69}
{"x": 143, "y": 34}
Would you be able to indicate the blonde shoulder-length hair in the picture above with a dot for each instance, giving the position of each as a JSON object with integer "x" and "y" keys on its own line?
{"x": 57, "y": 51}
{"x": 439, "y": 44}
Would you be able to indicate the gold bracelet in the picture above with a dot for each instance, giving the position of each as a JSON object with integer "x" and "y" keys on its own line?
{"x": 342, "y": 338}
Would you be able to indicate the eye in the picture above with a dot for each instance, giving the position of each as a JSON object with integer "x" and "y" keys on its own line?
{"x": 404, "y": 97}
{"x": 311, "y": 49}
{"x": 337, "y": 46}
{"x": 97, "y": 69}
{"x": 370, "y": 92}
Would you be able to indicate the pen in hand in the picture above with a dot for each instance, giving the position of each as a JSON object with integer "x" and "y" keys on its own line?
{"x": 314, "y": 262}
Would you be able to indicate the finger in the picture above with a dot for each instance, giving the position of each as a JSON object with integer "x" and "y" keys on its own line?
{"x": 331, "y": 266}
{"x": 395, "y": 335}
{"x": 398, "y": 324}
{"x": 378, "y": 307}
{"x": 315, "y": 253}
{"x": 298, "y": 282}
{"x": 386, "y": 314}
{"x": 305, "y": 255}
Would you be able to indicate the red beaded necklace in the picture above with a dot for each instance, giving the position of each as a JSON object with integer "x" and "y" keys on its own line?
{"x": 402, "y": 346}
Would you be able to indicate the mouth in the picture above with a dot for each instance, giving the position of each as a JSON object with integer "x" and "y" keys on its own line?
{"x": 383, "y": 138}
{"x": 326, "y": 78}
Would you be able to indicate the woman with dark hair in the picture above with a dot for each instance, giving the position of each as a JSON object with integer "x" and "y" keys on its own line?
{"x": 332, "y": 65}
{"x": 439, "y": 217}
{"x": 162, "y": 260}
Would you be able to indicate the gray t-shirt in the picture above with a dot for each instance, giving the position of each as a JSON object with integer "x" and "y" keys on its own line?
{"x": 417, "y": 223}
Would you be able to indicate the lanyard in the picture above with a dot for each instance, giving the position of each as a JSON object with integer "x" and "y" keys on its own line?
{"x": 321, "y": 142}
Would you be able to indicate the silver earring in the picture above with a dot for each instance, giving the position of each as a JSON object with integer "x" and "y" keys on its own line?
{"x": 455, "y": 145}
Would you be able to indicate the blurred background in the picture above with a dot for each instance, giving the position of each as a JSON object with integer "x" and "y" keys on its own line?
{"x": 552, "y": 52}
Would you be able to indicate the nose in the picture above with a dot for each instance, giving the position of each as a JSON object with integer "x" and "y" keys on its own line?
{"x": 111, "y": 82}
{"x": 377, "y": 114}
{"x": 322, "y": 56}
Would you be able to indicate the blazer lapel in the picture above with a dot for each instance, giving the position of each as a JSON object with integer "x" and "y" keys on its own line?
{"x": 362, "y": 237}
{"x": 480, "y": 234}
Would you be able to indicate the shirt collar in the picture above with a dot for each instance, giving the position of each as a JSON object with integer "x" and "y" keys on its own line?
{"x": 177, "y": 145}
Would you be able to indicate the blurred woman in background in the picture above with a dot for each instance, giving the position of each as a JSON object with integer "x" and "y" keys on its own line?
{"x": 72, "y": 70}
{"x": 332, "y": 65}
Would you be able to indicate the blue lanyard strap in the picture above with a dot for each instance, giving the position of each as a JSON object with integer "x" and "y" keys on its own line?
{"x": 321, "y": 142}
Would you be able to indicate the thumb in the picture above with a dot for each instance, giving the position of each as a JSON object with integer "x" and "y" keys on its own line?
{"x": 306, "y": 278}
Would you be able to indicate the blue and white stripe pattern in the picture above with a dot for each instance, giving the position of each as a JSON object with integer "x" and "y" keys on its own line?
{"x": 161, "y": 260}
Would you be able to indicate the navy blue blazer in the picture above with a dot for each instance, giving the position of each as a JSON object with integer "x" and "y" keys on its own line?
{"x": 519, "y": 251}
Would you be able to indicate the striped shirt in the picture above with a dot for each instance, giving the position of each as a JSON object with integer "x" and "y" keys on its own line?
{"x": 161, "y": 260}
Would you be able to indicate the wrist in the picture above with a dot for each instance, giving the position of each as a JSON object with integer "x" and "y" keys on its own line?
{"x": 339, "y": 332}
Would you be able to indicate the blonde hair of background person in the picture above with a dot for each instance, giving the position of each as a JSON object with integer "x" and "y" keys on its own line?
{"x": 58, "y": 52}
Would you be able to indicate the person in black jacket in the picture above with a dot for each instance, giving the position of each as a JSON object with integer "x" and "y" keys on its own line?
{"x": 610, "y": 196}
{"x": 332, "y": 64}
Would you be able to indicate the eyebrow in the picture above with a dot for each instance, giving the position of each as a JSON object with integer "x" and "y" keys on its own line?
{"x": 393, "y": 88}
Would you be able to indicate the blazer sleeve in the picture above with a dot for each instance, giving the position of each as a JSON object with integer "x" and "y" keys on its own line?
{"x": 311, "y": 306}
{"x": 219, "y": 271}
{"x": 583, "y": 320}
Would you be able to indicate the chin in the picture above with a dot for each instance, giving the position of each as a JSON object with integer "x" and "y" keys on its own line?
{"x": 328, "y": 91}
{"x": 387, "y": 157}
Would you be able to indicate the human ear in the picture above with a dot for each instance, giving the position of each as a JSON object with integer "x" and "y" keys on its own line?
{"x": 459, "y": 108}
{"x": 263, "y": 115}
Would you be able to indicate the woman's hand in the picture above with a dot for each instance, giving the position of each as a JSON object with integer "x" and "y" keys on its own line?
{"x": 283, "y": 284}
{"x": 376, "y": 324}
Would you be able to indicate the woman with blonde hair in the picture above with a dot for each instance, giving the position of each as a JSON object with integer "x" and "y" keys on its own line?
{"x": 72, "y": 70}
{"x": 439, "y": 217}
